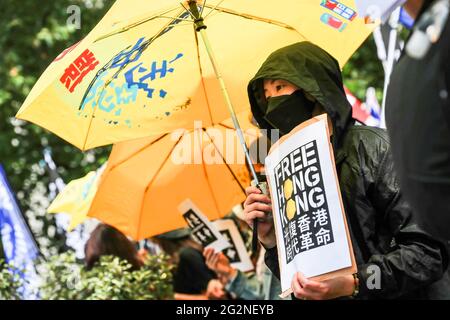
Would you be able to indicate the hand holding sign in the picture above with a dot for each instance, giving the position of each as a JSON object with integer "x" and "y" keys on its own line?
{"x": 333, "y": 288}
{"x": 227, "y": 263}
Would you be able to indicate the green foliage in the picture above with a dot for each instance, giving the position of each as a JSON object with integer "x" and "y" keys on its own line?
{"x": 110, "y": 279}
{"x": 157, "y": 275}
{"x": 10, "y": 281}
{"x": 32, "y": 34}
{"x": 364, "y": 70}
{"x": 60, "y": 277}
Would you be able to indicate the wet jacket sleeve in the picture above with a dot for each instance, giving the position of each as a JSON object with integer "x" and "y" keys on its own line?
{"x": 271, "y": 260}
{"x": 415, "y": 259}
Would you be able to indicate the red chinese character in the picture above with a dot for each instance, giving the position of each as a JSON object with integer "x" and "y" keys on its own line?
{"x": 75, "y": 73}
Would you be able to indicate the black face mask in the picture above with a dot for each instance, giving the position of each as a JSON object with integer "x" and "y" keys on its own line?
{"x": 288, "y": 111}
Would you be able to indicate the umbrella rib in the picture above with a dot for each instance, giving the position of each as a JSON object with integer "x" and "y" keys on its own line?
{"x": 227, "y": 126}
{"x": 138, "y": 23}
{"x": 137, "y": 152}
{"x": 225, "y": 162}
{"x": 207, "y": 180}
{"x": 88, "y": 130}
{"x": 177, "y": 19}
{"x": 187, "y": 10}
{"x": 233, "y": 128}
{"x": 212, "y": 9}
{"x": 151, "y": 182}
{"x": 203, "y": 8}
{"x": 203, "y": 80}
{"x": 252, "y": 17}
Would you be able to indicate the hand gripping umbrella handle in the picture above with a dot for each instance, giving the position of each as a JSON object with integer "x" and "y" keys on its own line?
{"x": 263, "y": 187}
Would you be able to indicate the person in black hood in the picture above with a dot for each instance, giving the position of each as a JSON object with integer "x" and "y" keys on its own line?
{"x": 300, "y": 81}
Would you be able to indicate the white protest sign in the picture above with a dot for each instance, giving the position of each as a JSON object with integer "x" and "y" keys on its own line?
{"x": 311, "y": 231}
{"x": 237, "y": 253}
{"x": 203, "y": 231}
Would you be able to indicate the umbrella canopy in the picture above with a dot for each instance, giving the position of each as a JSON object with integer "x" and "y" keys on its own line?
{"x": 76, "y": 198}
{"x": 147, "y": 179}
{"x": 142, "y": 70}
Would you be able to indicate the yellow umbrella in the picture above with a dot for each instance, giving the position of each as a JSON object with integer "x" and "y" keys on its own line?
{"x": 76, "y": 198}
{"x": 147, "y": 179}
{"x": 142, "y": 71}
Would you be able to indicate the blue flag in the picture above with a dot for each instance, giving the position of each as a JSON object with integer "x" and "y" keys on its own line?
{"x": 18, "y": 243}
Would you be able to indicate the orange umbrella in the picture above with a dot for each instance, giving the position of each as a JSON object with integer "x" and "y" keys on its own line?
{"x": 147, "y": 179}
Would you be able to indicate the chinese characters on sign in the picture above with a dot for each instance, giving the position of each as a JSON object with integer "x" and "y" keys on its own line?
{"x": 74, "y": 74}
{"x": 305, "y": 220}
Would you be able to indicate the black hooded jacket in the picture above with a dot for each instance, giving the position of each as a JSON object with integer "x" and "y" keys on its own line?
{"x": 383, "y": 228}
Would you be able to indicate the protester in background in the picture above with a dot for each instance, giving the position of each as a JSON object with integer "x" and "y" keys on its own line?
{"x": 192, "y": 278}
{"x": 239, "y": 285}
{"x": 106, "y": 240}
{"x": 418, "y": 122}
{"x": 294, "y": 84}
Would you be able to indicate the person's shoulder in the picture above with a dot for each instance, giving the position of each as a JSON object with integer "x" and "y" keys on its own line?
{"x": 373, "y": 134}
{"x": 189, "y": 253}
{"x": 366, "y": 135}
{"x": 372, "y": 141}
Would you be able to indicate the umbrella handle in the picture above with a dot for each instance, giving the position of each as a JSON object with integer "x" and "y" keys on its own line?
{"x": 255, "y": 236}
{"x": 263, "y": 187}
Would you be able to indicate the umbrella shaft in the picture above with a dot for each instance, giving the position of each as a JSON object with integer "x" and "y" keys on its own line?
{"x": 223, "y": 88}
{"x": 228, "y": 102}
